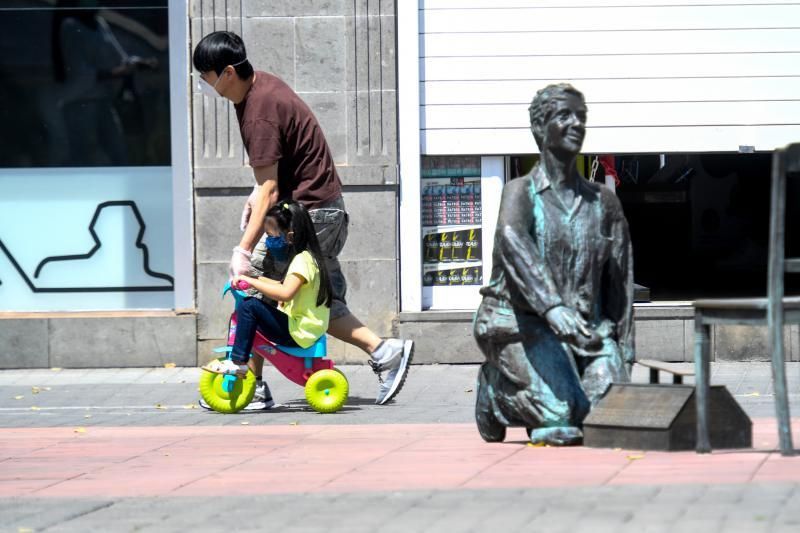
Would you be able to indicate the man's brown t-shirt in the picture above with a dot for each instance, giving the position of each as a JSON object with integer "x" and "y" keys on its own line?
{"x": 278, "y": 127}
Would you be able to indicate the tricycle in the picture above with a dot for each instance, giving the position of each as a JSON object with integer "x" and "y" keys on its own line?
{"x": 326, "y": 387}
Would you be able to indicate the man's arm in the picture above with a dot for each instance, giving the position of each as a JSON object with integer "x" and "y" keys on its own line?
{"x": 267, "y": 179}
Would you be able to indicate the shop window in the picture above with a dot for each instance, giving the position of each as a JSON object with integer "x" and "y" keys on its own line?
{"x": 452, "y": 228}
{"x": 84, "y": 86}
{"x": 699, "y": 222}
{"x": 85, "y": 178}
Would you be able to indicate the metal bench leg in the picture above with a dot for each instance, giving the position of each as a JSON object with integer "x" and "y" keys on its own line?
{"x": 702, "y": 333}
{"x": 653, "y": 375}
{"x": 781, "y": 394}
{"x": 775, "y": 288}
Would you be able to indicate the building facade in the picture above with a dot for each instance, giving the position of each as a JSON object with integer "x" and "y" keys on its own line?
{"x": 121, "y": 185}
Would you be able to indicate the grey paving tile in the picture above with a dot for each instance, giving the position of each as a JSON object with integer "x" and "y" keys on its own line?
{"x": 574, "y": 510}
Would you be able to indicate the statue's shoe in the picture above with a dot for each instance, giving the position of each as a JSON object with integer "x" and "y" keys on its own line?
{"x": 490, "y": 428}
{"x": 557, "y": 436}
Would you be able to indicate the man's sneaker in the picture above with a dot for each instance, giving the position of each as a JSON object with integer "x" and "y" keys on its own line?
{"x": 260, "y": 405}
{"x": 262, "y": 399}
{"x": 395, "y": 356}
{"x": 387, "y": 354}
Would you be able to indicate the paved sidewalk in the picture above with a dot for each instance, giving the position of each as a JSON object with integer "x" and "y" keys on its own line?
{"x": 196, "y": 461}
{"x": 430, "y": 477}
{"x": 124, "y": 450}
{"x": 168, "y": 396}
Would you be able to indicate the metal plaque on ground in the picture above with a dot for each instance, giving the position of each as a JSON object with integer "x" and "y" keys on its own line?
{"x": 663, "y": 417}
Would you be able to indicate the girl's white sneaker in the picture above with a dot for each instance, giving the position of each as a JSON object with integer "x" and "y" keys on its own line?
{"x": 227, "y": 367}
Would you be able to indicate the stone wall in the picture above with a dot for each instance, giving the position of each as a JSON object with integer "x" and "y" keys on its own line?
{"x": 340, "y": 57}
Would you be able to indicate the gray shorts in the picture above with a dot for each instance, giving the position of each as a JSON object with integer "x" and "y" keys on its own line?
{"x": 331, "y": 222}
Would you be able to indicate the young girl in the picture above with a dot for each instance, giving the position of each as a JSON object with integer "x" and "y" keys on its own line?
{"x": 304, "y": 295}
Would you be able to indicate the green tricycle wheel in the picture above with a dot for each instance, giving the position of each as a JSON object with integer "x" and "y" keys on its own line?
{"x": 213, "y": 392}
{"x": 326, "y": 390}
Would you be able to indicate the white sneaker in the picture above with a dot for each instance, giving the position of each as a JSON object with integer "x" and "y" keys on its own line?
{"x": 225, "y": 367}
{"x": 262, "y": 399}
{"x": 396, "y": 354}
{"x": 259, "y": 406}
{"x": 388, "y": 354}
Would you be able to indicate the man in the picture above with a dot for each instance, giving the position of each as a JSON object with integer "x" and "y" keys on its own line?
{"x": 291, "y": 159}
{"x": 555, "y": 323}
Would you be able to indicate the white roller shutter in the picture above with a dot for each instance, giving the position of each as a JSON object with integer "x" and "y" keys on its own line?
{"x": 658, "y": 75}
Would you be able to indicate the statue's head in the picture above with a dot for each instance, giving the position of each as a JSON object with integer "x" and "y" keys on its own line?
{"x": 558, "y": 118}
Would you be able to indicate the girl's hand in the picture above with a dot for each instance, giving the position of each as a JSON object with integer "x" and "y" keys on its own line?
{"x": 239, "y": 278}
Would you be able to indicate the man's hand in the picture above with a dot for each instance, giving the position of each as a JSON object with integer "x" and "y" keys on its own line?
{"x": 248, "y": 208}
{"x": 567, "y": 323}
{"x": 240, "y": 262}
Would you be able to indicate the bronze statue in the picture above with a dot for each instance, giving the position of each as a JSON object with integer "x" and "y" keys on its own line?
{"x": 555, "y": 323}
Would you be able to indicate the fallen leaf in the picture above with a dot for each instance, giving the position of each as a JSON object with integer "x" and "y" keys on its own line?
{"x": 34, "y": 408}
{"x": 245, "y": 423}
{"x": 24, "y": 530}
{"x": 159, "y": 406}
{"x": 467, "y": 390}
{"x": 293, "y": 423}
{"x": 19, "y": 397}
{"x": 35, "y": 390}
{"x": 56, "y": 369}
{"x": 536, "y": 444}
{"x": 169, "y": 365}
{"x": 190, "y": 406}
{"x": 80, "y": 430}
{"x": 635, "y": 457}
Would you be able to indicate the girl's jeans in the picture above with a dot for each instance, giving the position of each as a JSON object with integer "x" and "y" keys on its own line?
{"x": 252, "y": 315}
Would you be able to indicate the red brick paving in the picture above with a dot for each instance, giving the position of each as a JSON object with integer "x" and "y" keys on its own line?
{"x": 189, "y": 461}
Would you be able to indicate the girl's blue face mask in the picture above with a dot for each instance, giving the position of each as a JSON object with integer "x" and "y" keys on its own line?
{"x": 278, "y": 247}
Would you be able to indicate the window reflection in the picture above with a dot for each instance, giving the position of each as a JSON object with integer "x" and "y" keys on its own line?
{"x": 84, "y": 83}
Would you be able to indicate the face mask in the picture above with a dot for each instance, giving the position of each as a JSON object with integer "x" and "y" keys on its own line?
{"x": 208, "y": 89}
{"x": 211, "y": 90}
{"x": 278, "y": 247}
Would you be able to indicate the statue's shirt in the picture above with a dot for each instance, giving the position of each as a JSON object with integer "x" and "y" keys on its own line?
{"x": 548, "y": 254}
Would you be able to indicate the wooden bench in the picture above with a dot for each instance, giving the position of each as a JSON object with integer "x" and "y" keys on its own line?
{"x": 678, "y": 372}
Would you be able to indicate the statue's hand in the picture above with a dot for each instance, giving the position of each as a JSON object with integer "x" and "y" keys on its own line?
{"x": 567, "y": 323}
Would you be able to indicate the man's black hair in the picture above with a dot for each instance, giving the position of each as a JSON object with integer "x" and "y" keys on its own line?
{"x": 217, "y": 50}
